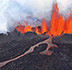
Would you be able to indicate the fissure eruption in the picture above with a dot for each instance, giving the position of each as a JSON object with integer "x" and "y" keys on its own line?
{"x": 58, "y": 25}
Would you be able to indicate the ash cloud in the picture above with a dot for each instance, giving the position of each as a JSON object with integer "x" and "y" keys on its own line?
{"x": 14, "y": 11}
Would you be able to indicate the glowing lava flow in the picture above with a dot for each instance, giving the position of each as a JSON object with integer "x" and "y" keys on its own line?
{"x": 31, "y": 49}
{"x": 58, "y": 26}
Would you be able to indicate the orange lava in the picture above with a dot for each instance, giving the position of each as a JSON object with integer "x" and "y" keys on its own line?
{"x": 20, "y": 28}
{"x": 44, "y": 26}
{"x": 27, "y": 28}
{"x": 68, "y": 24}
{"x": 58, "y": 25}
{"x": 37, "y": 30}
{"x": 57, "y": 22}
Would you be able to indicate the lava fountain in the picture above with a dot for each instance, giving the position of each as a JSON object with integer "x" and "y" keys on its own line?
{"x": 58, "y": 25}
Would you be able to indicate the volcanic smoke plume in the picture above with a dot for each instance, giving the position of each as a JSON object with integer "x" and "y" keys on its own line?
{"x": 58, "y": 25}
{"x": 40, "y": 37}
{"x": 14, "y": 11}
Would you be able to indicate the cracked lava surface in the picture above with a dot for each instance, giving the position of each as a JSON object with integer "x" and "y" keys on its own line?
{"x": 31, "y": 49}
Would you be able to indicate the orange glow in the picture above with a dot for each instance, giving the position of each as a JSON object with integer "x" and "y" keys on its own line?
{"x": 69, "y": 25}
{"x": 58, "y": 25}
{"x": 20, "y": 28}
{"x": 27, "y": 28}
{"x": 37, "y": 30}
{"x": 23, "y": 29}
{"x": 57, "y": 22}
{"x": 44, "y": 26}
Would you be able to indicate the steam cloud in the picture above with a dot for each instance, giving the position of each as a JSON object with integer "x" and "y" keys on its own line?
{"x": 14, "y": 11}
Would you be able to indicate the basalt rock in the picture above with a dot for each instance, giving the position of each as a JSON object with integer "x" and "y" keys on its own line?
{"x": 64, "y": 39}
{"x": 61, "y": 59}
{"x": 15, "y": 47}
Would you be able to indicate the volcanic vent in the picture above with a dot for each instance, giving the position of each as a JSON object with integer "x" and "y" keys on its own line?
{"x": 58, "y": 25}
{"x": 38, "y": 48}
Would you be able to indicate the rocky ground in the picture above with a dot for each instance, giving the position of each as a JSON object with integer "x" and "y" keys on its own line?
{"x": 15, "y": 44}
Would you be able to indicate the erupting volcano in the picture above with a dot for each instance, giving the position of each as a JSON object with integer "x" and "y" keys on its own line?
{"x": 58, "y": 25}
{"x": 28, "y": 48}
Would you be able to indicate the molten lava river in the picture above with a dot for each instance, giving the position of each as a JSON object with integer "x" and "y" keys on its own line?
{"x": 58, "y": 26}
